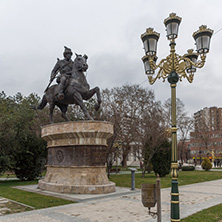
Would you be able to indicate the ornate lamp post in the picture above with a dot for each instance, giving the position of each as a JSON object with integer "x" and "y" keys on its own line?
{"x": 174, "y": 67}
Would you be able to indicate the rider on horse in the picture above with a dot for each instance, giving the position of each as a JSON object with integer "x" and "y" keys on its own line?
{"x": 72, "y": 82}
{"x": 65, "y": 68}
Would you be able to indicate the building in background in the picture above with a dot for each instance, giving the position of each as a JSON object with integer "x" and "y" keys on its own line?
{"x": 184, "y": 152}
{"x": 206, "y": 139}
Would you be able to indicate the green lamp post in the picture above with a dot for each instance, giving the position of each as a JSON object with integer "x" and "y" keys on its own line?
{"x": 174, "y": 67}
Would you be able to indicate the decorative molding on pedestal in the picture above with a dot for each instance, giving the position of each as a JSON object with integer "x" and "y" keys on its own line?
{"x": 77, "y": 133}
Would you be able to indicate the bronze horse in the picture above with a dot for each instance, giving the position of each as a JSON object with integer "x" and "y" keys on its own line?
{"x": 76, "y": 91}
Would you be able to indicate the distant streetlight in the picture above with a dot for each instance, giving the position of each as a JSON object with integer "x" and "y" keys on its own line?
{"x": 174, "y": 67}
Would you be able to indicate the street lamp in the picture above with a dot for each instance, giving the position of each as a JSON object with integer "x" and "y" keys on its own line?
{"x": 174, "y": 67}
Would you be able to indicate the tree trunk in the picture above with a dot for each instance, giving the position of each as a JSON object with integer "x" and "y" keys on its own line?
{"x": 124, "y": 162}
{"x": 109, "y": 167}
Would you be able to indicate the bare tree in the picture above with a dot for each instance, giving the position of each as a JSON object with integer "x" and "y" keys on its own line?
{"x": 153, "y": 135}
{"x": 110, "y": 113}
{"x": 121, "y": 107}
{"x": 138, "y": 120}
{"x": 184, "y": 124}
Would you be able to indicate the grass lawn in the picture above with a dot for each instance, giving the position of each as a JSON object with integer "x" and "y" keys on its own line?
{"x": 35, "y": 200}
{"x": 185, "y": 177}
{"x": 212, "y": 214}
{"x": 5, "y": 175}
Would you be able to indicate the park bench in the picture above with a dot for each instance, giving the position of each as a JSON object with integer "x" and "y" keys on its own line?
{"x": 9, "y": 173}
{"x": 115, "y": 170}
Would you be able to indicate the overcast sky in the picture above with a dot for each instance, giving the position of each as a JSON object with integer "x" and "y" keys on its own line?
{"x": 34, "y": 32}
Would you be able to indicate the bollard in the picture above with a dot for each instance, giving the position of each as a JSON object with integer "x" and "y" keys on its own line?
{"x": 133, "y": 178}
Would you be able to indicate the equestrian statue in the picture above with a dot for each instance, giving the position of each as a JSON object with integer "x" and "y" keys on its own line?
{"x": 72, "y": 87}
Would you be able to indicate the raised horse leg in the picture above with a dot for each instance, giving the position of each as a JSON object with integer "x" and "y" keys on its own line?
{"x": 90, "y": 93}
{"x": 79, "y": 100}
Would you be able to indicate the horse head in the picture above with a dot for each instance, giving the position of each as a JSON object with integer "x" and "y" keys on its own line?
{"x": 80, "y": 62}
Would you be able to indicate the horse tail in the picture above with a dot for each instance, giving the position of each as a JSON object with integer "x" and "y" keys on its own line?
{"x": 43, "y": 103}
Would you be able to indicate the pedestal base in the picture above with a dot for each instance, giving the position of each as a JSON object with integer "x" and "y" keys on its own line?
{"x": 76, "y": 157}
{"x": 78, "y": 180}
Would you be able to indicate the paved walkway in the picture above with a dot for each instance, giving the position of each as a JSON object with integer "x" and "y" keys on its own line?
{"x": 123, "y": 206}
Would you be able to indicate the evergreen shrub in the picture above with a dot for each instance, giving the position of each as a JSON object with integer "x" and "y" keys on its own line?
{"x": 188, "y": 168}
{"x": 206, "y": 164}
{"x": 161, "y": 160}
{"x": 30, "y": 158}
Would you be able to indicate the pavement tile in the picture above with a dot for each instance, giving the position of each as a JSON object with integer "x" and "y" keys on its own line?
{"x": 29, "y": 218}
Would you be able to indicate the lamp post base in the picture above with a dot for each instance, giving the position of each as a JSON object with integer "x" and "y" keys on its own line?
{"x": 175, "y": 210}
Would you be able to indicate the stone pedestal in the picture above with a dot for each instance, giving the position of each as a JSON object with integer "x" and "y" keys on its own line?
{"x": 76, "y": 157}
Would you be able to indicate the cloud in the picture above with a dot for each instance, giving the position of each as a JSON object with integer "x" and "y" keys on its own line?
{"x": 33, "y": 34}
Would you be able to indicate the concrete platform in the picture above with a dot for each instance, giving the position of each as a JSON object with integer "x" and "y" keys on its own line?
{"x": 78, "y": 197}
